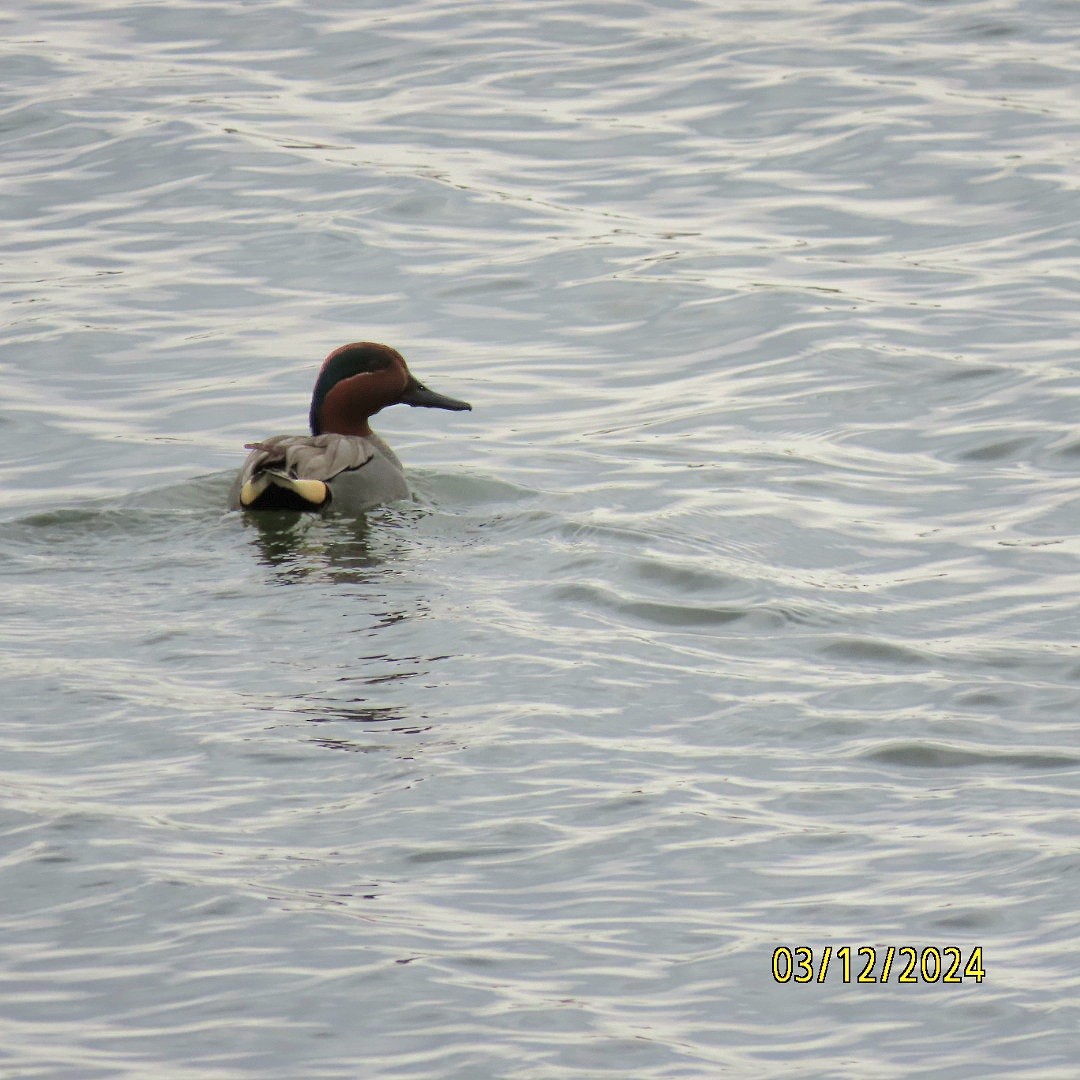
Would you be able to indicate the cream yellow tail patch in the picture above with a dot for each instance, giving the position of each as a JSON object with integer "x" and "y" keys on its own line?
{"x": 312, "y": 491}
{"x": 253, "y": 489}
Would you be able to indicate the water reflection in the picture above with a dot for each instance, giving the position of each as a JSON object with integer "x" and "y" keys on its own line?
{"x": 389, "y": 721}
{"x": 371, "y": 652}
{"x": 301, "y": 546}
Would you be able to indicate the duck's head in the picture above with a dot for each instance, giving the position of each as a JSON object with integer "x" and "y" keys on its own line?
{"x": 358, "y": 380}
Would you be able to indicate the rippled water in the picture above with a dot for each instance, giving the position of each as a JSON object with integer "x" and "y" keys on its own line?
{"x": 740, "y": 613}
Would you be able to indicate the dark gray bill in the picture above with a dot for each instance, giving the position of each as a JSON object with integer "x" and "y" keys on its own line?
{"x": 416, "y": 393}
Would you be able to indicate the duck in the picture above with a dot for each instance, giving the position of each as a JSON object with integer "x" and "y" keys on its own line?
{"x": 342, "y": 464}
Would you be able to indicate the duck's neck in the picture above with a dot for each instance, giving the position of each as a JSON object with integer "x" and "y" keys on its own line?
{"x": 344, "y": 426}
{"x": 349, "y": 405}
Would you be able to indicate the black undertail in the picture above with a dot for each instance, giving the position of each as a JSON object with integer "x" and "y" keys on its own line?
{"x": 276, "y": 498}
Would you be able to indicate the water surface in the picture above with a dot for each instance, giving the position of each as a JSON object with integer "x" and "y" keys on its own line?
{"x": 739, "y": 614}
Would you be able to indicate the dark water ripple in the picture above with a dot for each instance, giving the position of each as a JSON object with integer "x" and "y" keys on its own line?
{"x": 740, "y": 613}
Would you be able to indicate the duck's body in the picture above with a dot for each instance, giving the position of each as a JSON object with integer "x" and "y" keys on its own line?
{"x": 342, "y": 463}
{"x": 310, "y": 472}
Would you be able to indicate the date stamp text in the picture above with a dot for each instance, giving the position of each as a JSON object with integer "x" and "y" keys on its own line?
{"x": 878, "y": 964}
